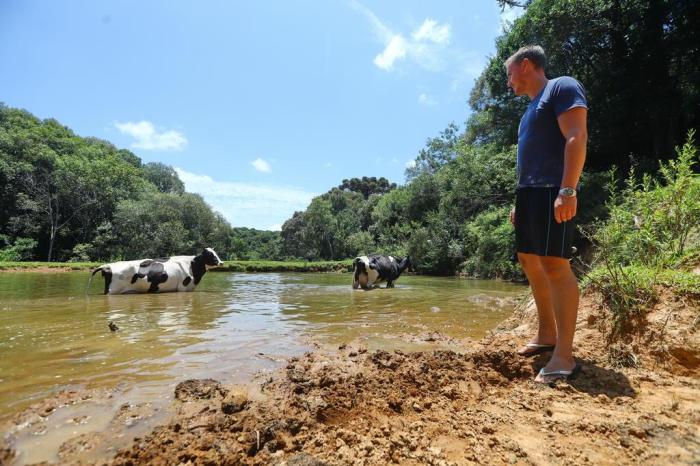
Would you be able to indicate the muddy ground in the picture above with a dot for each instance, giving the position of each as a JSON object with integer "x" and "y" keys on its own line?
{"x": 637, "y": 401}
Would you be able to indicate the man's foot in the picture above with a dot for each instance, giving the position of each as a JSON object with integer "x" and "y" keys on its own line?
{"x": 555, "y": 371}
{"x": 536, "y": 347}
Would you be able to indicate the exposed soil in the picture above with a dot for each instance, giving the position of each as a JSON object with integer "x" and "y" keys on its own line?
{"x": 637, "y": 401}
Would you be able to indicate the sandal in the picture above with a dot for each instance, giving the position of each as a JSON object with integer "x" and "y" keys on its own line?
{"x": 560, "y": 374}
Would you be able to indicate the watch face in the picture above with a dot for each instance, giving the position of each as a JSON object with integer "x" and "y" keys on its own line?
{"x": 567, "y": 191}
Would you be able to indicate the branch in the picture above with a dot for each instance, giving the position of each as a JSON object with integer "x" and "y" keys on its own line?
{"x": 91, "y": 201}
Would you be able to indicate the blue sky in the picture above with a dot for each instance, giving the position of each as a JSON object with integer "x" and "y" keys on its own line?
{"x": 259, "y": 105}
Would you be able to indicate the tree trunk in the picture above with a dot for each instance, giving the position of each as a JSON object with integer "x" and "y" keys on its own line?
{"x": 52, "y": 236}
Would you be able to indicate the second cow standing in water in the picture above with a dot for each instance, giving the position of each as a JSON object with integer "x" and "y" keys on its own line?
{"x": 369, "y": 271}
{"x": 177, "y": 273}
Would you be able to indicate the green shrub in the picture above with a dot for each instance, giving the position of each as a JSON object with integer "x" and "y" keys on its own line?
{"x": 489, "y": 245}
{"x": 649, "y": 233}
{"x": 651, "y": 222}
{"x": 360, "y": 242}
{"x": 21, "y": 249}
{"x": 82, "y": 252}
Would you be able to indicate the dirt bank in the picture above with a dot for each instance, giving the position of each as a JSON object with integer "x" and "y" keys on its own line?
{"x": 637, "y": 404}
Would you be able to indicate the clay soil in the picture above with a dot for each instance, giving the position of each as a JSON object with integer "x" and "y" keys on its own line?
{"x": 637, "y": 401}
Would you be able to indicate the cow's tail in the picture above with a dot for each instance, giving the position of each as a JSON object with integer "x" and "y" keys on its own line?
{"x": 98, "y": 269}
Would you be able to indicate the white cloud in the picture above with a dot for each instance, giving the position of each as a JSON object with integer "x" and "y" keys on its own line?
{"x": 275, "y": 227}
{"x": 411, "y": 164}
{"x": 396, "y": 49}
{"x": 261, "y": 165}
{"x": 146, "y": 137}
{"x": 328, "y": 165}
{"x": 431, "y": 31}
{"x": 425, "y": 99}
{"x": 247, "y": 204}
{"x": 425, "y": 47}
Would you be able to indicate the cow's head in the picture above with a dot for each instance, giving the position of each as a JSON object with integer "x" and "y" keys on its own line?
{"x": 211, "y": 259}
{"x": 363, "y": 264}
{"x": 407, "y": 264}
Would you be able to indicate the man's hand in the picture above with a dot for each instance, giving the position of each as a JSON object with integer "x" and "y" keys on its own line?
{"x": 512, "y": 216}
{"x": 564, "y": 208}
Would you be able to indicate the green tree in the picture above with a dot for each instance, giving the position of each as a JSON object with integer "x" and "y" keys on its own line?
{"x": 164, "y": 177}
{"x": 638, "y": 60}
{"x": 367, "y": 185}
{"x": 436, "y": 153}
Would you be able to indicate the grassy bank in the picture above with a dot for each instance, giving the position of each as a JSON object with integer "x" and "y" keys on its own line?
{"x": 46, "y": 266}
{"x": 229, "y": 266}
{"x": 284, "y": 266}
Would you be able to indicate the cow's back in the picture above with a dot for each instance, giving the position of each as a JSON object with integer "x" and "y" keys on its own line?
{"x": 179, "y": 274}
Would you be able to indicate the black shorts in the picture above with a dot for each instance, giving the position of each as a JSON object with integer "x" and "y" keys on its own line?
{"x": 536, "y": 231}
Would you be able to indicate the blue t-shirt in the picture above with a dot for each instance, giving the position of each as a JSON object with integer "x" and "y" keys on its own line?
{"x": 540, "y": 142}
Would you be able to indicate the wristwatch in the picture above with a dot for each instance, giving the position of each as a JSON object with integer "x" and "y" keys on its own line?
{"x": 567, "y": 192}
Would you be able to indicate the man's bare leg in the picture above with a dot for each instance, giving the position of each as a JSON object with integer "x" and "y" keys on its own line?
{"x": 547, "y": 330}
{"x": 563, "y": 287}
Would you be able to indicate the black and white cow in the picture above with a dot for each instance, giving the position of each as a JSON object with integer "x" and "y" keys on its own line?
{"x": 177, "y": 273}
{"x": 369, "y": 271}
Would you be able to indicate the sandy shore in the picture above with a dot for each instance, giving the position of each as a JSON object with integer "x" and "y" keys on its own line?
{"x": 473, "y": 404}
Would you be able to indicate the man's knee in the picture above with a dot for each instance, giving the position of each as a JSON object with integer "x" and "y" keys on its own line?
{"x": 555, "y": 267}
{"x": 530, "y": 262}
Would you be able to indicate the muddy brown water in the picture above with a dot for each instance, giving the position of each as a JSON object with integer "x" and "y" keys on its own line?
{"x": 233, "y": 327}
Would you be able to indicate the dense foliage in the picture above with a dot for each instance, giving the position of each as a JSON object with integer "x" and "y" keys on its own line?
{"x": 250, "y": 244}
{"x": 638, "y": 59}
{"x": 65, "y": 197}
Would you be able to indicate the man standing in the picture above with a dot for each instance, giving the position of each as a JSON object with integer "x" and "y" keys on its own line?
{"x": 551, "y": 152}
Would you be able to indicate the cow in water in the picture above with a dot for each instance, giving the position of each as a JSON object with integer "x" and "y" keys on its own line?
{"x": 177, "y": 273}
{"x": 369, "y": 271}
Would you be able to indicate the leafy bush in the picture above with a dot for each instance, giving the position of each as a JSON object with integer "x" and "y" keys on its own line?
{"x": 21, "y": 249}
{"x": 361, "y": 242}
{"x": 647, "y": 234}
{"x": 651, "y": 221}
{"x": 489, "y": 245}
{"x": 82, "y": 252}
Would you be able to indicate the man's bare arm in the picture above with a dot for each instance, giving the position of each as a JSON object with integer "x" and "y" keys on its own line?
{"x": 572, "y": 125}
